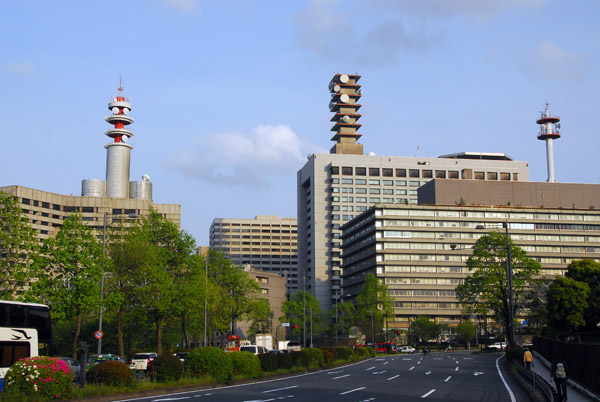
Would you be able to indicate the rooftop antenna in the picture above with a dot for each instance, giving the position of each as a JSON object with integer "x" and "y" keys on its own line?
{"x": 549, "y": 126}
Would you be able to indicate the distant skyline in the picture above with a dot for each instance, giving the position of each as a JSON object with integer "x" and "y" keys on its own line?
{"x": 230, "y": 96}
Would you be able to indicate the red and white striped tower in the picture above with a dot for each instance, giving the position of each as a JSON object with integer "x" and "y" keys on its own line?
{"x": 549, "y": 126}
{"x": 118, "y": 152}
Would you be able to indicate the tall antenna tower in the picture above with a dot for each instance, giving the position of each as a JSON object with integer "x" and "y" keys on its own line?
{"x": 345, "y": 93}
{"x": 549, "y": 126}
{"x": 118, "y": 152}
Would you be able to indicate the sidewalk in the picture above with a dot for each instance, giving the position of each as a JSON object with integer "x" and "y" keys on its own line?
{"x": 575, "y": 393}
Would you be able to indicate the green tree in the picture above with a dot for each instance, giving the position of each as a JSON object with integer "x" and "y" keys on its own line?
{"x": 567, "y": 303}
{"x": 161, "y": 287}
{"x": 588, "y": 271}
{"x": 69, "y": 274}
{"x": 130, "y": 258}
{"x": 260, "y": 317}
{"x": 466, "y": 330}
{"x": 373, "y": 306}
{"x": 18, "y": 248}
{"x": 342, "y": 318}
{"x": 297, "y": 311}
{"x": 423, "y": 329}
{"x": 487, "y": 286}
{"x": 232, "y": 294}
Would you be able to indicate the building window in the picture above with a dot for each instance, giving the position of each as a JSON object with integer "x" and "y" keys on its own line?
{"x": 401, "y": 182}
{"x": 361, "y": 171}
{"x": 440, "y": 174}
{"x": 414, "y": 173}
{"x": 374, "y": 200}
{"x": 388, "y": 191}
{"x": 427, "y": 174}
{"x": 264, "y": 291}
{"x": 400, "y": 172}
{"x": 346, "y": 181}
{"x": 25, "y": 201}
{"x": 373, "y": 190}
{"x": 373, "y": 171}
{"x": 361, "y": 190}
{"x": 504, "y": 176}
{"x": 335, "y": 180}
{"x": 361, "y": 181}
{"x": 387, "y": 172}
{"x": 453, "y": 174}
{"x": 479, "y": 176}
{"x": 414, "y": 183}
{"x": 262, "y": 279}
{"x": 492, "y": 176}
{"x": 335, "y": 170}
{"x": 347, "y": 170}
{"x": 374, "y": 182}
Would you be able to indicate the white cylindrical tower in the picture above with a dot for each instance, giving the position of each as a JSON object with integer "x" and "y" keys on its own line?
{"x": 549, "y": 126}
{"x": 118, "y": 152}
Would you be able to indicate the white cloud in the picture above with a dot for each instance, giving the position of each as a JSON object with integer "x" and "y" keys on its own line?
{"x": 248, "y": 159}
{"x": 21, "y": 69}
{"x": 183, "y": 5}
{"x": 550, "y": 61}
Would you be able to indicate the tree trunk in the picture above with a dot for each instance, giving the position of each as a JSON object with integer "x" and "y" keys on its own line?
{"x": 76, "y": 335}
{"x": 186, "y": 339}
{"x": 159, "y": 324}
{"x": 120, "y": 331}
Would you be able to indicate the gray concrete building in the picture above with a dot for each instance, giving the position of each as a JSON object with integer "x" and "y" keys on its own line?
{"x": 266, "y": 243}
{"x": 334, "y": 188}
{"x": 420, "y": 251}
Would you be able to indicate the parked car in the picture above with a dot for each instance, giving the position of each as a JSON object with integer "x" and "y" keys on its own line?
{"x": 294, "y": 347}
{"x": 257, "y": 350}
{"x": 406, "y": 349}
{"x": 75, "y": 367}
{"x": 497, "y": 346}
{"x": 182, "y": 355}
{"x": 139, "y": 361}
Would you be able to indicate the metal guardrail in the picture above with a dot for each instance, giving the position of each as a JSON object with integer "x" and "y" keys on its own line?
{"x": 537, "y": 382}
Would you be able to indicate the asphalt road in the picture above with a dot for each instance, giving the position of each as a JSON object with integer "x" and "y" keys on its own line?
{"x": 436, "y": 377}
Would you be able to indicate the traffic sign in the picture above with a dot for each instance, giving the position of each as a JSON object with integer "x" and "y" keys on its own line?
{"x": 98, "y": 334}
{"x": 285, "y": 324}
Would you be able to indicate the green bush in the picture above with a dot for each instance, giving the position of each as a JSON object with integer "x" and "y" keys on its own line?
{"x": 165, "y": 368}
{"x": 327, "y": 356}
{"x": 112, "y": 372}
{"x": 210, "y": 361}
{"x": 343, "y": 353}
{"x": 284, "y": 360}
{"x": 315, "y": 356}
{"x": 364, "y": 352}
{"x": 300, "y": 359}
{"x": 268, "y": 362}
{"x": 246, "y": 364}
{"x": 49, "y": 377}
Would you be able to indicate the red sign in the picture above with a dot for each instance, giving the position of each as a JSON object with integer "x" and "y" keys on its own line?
{"x": 234, "y": 337}
{"x": 98, "y": 334}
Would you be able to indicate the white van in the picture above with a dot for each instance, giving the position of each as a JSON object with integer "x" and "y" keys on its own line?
{"x": 257, "y": 350}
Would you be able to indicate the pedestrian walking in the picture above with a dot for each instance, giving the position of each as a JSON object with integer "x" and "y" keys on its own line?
{"x": 560, "y": 375}
{"x": 527, "y": 358}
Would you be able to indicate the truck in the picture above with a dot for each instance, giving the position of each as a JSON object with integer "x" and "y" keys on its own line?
{"x": 264, "y": 340}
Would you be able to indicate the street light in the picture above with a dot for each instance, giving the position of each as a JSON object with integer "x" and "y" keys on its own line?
{"x": 104, "y": 226}
{"x": 511, "y": 324}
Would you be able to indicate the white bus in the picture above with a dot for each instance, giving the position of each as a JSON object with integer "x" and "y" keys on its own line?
{"x": 25, "y": 331}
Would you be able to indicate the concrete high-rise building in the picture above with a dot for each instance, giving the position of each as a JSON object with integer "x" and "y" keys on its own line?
{"x": 101, "y": 201}
{"x": 266, "y": 243}
{"x": 420, "y": 251}
{"x": 334, "y": 188}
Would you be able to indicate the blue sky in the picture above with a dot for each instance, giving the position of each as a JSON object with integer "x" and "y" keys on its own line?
{"x": 230, "y": 96}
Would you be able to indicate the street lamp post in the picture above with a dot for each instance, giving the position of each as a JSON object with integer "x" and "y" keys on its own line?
{"x": 205, "y": 292}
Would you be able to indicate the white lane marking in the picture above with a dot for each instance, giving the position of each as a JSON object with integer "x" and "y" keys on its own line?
{"x": 419, "y": 362}
{"x": 512, "y": 396}
{"x": 335, "y": 372}
{"x": 407, "y": 358}
{"x": 341, "y": 376}
{"x": 427, "y": 394}
{"x": 386, "y": 363}
{"x": 448, "y": 379}
{"x": 352, "y": 390}
{"x": 437, "y": 358}
{"x": 428, "y": 372}
{"x": 261, "y": 400}
{"x": 412, "y": 368}
{"x": 456, "y": 369}
{"x": 391, "y": 378}
{"x": 379, "y": 372}
{"x": 467, "y": 358}
{"x": 279, "y": 389}
{"x": 370, "y": 368}
{"x": 379, "y": 360}
{"x": 171, "y": 399}
{"x": 478, "y": 373}
{"x": 200, "y": 396}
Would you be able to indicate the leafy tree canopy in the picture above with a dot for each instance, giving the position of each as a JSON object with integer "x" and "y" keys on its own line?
{"x": 588, "y": 271}
{"x": 567, "y": 303}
